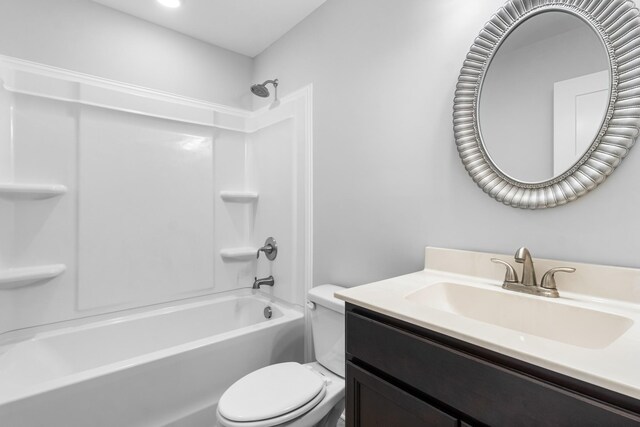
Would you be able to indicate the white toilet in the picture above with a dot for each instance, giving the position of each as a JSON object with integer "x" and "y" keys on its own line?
{"x": 290, "y": 394}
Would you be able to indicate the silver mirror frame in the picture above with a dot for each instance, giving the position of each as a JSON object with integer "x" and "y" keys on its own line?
{"x": 618, "y": 24}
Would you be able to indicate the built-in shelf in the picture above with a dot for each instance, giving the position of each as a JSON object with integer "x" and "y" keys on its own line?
{"x": 239, "y": 196}
{"x": 25, "y": 276}
{"x": 238, "y": 254}
{"x": 30, "y": 191}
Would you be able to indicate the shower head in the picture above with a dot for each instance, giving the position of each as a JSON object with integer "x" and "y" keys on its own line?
{"x": 261, "y": 89}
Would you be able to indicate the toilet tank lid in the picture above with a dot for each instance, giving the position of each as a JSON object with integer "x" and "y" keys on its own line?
{"x": 323, "y": 295}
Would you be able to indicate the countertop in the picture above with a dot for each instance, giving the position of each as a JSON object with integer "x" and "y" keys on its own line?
{"x": 614, "y": 367}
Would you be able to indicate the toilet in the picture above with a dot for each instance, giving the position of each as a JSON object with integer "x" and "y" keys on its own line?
{"x": 291, "y": 394}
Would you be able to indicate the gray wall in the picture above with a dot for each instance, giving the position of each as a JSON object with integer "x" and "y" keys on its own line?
{"x": 388, "y": 179}
{"x": 83, "y": 36}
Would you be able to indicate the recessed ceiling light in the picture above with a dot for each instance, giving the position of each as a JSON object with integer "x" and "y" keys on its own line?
{"x": 171, "y": 3}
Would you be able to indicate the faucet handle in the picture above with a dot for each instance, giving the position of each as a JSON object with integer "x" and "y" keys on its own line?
{"x": 549, "y": 281}
{"x": 270, "y": 249}
{"x": 510, "y": 275}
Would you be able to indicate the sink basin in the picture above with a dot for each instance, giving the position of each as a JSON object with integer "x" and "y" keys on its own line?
{"x": 539, "y": 316}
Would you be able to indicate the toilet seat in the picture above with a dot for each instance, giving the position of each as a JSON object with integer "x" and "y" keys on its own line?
{"x": 272, "y": 395}
{"x": 277, "y": 420}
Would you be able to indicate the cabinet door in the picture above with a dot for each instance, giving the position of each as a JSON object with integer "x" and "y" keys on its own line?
{"x": 373, "y": 402}
{"x": 482, "y": 390}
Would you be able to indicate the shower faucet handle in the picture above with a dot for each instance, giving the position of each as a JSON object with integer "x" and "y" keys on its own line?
{"x": 270, "y": 249}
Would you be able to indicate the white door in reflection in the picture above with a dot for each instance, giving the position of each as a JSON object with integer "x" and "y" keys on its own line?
{"x": 579, "y": 105}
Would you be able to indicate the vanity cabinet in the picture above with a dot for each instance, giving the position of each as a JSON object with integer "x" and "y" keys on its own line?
{"x": 399, "y": 374}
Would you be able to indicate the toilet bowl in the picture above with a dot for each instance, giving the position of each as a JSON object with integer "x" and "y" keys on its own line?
{"x": 292, "y": 394}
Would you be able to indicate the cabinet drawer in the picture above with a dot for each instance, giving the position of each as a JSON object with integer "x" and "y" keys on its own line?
{"x": 484, "y": 391}
{"x": 373, "y": 402}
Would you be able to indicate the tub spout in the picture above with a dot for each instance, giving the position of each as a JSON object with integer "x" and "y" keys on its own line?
{"x": 267, "y": 281}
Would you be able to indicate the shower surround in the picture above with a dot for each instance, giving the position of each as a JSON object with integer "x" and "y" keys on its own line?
{"x": 116, "y": 198}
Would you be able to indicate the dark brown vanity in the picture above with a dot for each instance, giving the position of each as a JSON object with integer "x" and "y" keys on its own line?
{"x": 400, "y": 374}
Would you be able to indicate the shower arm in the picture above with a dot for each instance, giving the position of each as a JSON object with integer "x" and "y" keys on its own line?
{"x": 275, "y": 87}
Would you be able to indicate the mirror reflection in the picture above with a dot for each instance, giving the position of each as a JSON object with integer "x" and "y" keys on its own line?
{"x": 544, "y": 96}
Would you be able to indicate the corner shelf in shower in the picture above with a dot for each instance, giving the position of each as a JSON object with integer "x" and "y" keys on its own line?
{"x": 16, "y": 192}
{"x": 238, "y": 254}
{"x": 25, "y": 276}
{"x": 239, "y": 196}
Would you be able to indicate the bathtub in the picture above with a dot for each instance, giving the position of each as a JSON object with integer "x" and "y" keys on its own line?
{"x": 162, "y": 367}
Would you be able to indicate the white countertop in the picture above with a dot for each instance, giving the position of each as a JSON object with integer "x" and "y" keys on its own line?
{"x": 615, "y": 367}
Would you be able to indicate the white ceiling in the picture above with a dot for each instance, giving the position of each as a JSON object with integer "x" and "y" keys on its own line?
{"x": 244, "y": 26}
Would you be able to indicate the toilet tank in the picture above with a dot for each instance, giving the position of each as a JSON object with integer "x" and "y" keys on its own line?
{"x": 327, "y": 326}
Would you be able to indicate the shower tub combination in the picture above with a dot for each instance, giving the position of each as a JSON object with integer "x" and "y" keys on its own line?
{"x": 162, "y": 367}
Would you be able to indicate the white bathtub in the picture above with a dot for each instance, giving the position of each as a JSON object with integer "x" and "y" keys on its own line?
{"x": 161, "y": 367}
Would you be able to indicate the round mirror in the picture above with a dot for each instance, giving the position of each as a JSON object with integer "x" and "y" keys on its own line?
{"x": 544, "y": 96}
{"x": 548, "y": 101}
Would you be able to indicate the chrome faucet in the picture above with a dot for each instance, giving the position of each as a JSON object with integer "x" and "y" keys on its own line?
{"x": 523, "y": 256}
{"x": 267, "y": 281}
{"x": 528, "y": 284}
